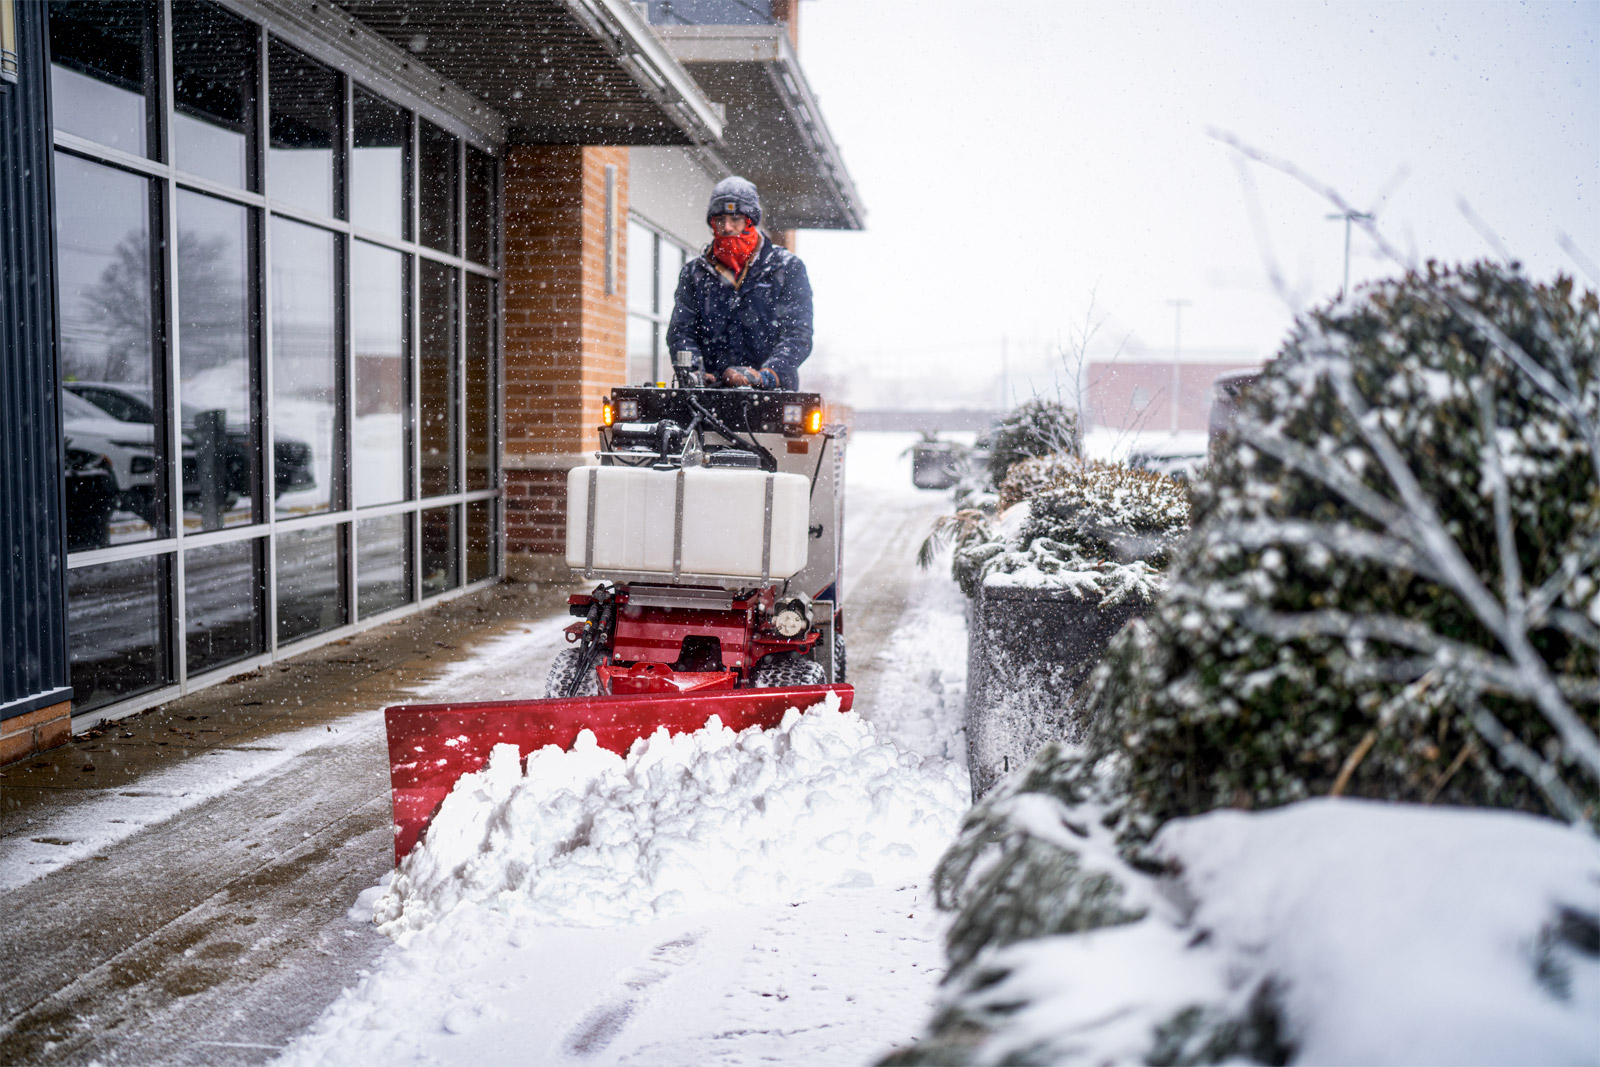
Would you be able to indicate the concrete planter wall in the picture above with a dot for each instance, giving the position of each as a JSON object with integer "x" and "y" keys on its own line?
{"x": 1028, "y": 650}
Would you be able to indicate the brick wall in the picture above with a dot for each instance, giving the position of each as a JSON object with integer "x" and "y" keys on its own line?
{"x": 1138, "y": 396}
{"x": 565, "y": 343}
{"x": 23, "y": 735}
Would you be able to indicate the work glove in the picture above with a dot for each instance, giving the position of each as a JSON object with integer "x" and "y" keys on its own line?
{"x": 750, "y": 377}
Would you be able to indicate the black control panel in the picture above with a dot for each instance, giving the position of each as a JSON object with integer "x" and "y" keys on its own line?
{"x": 744, "y": 410}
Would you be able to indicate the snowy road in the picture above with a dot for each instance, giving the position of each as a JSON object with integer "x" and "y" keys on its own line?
{"x": 220, "y": 934}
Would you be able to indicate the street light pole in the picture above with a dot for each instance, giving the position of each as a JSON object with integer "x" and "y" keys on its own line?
{"x": 1349, "y": 217}
{"x": 1178, "y": 305}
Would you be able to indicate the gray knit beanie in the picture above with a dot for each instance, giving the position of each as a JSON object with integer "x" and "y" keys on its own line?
{"x": 735, "y": 196}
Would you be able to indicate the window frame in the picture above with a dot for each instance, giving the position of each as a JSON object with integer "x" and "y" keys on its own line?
{"x": 266, "y": 528}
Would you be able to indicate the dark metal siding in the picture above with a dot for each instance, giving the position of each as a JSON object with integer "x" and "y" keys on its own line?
{"x": 33, "y": 599}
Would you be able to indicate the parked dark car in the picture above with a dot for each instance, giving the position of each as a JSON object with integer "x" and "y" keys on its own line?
{"x": 91, "y": 496}
{"x": 127, "y": 402}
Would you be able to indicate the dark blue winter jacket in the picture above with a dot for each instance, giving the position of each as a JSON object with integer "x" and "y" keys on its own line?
{"x": 765, "y": 322}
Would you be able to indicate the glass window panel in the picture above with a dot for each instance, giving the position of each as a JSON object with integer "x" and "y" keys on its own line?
{"x": 215, "y": 342}
{"x": 383, "y": 563}
{"x": 105, "y": 303}
{"x": 480, "y": 381}
{"x": 311, "y": 591}
{"x": 117, "y": 623}
{"x": 383, "y": 390}
{"x": 305, "y": 104}
{"x": 378, "y": 165}
{"x": 481, "y": 541}
{"x": 305, "y": 361}
{"x": 213, "y": 93}
{"x": 440, "y": 316}
{"x": 641, "y": 268}
{"x": 99, "y": 70}
{"x": 440, "y": 529}
{"x": 641, "y": 347}
{"x": 483, "y": 215}
{"x": 667, "y": 277}
{"x": 224, "y": 604}
{"x": 438, "y": 198}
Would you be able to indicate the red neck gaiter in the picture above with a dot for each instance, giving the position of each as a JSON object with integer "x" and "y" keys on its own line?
{"x": 734, "y": 252}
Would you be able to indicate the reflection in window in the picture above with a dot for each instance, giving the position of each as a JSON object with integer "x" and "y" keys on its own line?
{"x": 377, "y": 165}
{"x": 105, "y": 306}
{"x": 305, "y": 101}
{"x": 483, "y": 215}
{"x": 224, "y": 602}
{"x": 480, "y": 385}
{"x": 669, "y": 266}
{"x": 214, "y": 357}
{"x": 99, "y": 68}
{"x": 641, "y": 268}
{"x": 481, "y": 540}
{"x": 383, "y": 564}
{"x": 437, "y": 191}
{"x": 377, "y": 312}
{"x": 440, "y": 316}
{"x": 213, "y": 92}
{"x": 305, "y": 359}
{"x": 116, "y": 622}
{"x": 311, "y": 589}
{"x": 440, "y": 530}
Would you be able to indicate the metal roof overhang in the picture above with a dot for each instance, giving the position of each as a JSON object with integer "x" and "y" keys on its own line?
{"x": 586, "y": 72}
{"x": 774, "y": 133}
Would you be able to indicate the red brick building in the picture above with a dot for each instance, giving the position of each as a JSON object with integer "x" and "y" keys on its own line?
{"x": 1138, "y": 394}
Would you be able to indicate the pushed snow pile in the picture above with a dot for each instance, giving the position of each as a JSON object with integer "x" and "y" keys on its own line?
{"x": 1329, "y": 931}
{"x": 683, "y": 823}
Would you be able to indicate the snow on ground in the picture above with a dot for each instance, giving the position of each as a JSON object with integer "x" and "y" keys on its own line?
{"x": 1385, "y": 933}
{"x": 712, "y": 898}
{"x": 91, "y": 826}
{"x": 690, "y": 822}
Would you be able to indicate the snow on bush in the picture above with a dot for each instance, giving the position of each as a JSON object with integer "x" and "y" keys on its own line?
{"x": 1390, "y": 591}
{"x": 1099, "y": 531}
{"x": 685, "y": 822}
{"x": 1329, "y": 931}
{"x": 1391, "y": 588}
{"x": 1035, "y": 427}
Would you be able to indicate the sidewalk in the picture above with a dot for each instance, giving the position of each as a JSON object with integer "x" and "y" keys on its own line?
{"x": 217, "y": 932}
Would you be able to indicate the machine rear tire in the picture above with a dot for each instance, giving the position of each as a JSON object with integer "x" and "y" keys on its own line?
{"x": 786, "y": 669}
{"x": 562, "y": 672}
{"x": 838, "y": 659}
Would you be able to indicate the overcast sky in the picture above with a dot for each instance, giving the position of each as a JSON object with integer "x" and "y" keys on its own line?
{"x": 1016, "y": 156}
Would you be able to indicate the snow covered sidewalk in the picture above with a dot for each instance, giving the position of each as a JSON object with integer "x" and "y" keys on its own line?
{"x": 715, "y": 897}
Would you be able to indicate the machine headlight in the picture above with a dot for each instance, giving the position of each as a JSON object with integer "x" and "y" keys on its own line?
{"x": 791, "y": 618}
{"x": 627, "y": 410}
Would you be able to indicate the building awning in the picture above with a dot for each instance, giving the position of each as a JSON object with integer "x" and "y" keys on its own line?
{"x": 557, "y": 71}
{"x": 774, "y": 133}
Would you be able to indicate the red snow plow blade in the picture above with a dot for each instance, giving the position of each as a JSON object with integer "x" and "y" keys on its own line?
{"x": 433, "y": 745}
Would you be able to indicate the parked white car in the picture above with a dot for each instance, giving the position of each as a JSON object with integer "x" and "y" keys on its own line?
{"x": 129, "y": 446}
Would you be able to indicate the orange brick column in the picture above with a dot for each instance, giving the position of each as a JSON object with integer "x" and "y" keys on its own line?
{"x": 24, "y": 735}
{"x": 565, "y": 337}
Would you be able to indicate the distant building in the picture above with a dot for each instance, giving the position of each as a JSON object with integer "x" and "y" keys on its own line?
{"x": 354, "y": 276}
{"x": 1137, "y": 394}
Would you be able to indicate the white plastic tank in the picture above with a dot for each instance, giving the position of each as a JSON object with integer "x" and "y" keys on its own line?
{"x": 724, "y": 522}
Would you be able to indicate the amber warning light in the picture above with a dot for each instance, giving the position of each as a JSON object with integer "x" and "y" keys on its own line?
{"x": 814, "y": 420}
{"x": 607, "y": 414}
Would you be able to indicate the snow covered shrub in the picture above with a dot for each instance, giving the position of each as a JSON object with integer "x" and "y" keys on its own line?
{"x": 1391, "y": 590}
{"x": 1102, "y": 532}
{"x": 1035, "y": 427}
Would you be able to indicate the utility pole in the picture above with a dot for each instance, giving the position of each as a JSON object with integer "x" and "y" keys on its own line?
{"x": 1005, "y": 373}
{"x": 1349, "y": 217}
{"x": 1178, "y": 305}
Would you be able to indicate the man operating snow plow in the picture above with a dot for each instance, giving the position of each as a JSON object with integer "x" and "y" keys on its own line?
{"x": 710, "y": 522}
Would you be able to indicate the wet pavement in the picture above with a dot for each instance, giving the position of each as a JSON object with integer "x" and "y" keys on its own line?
{"x": 219, "y": 928}
{"x": 215, "y": 935}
